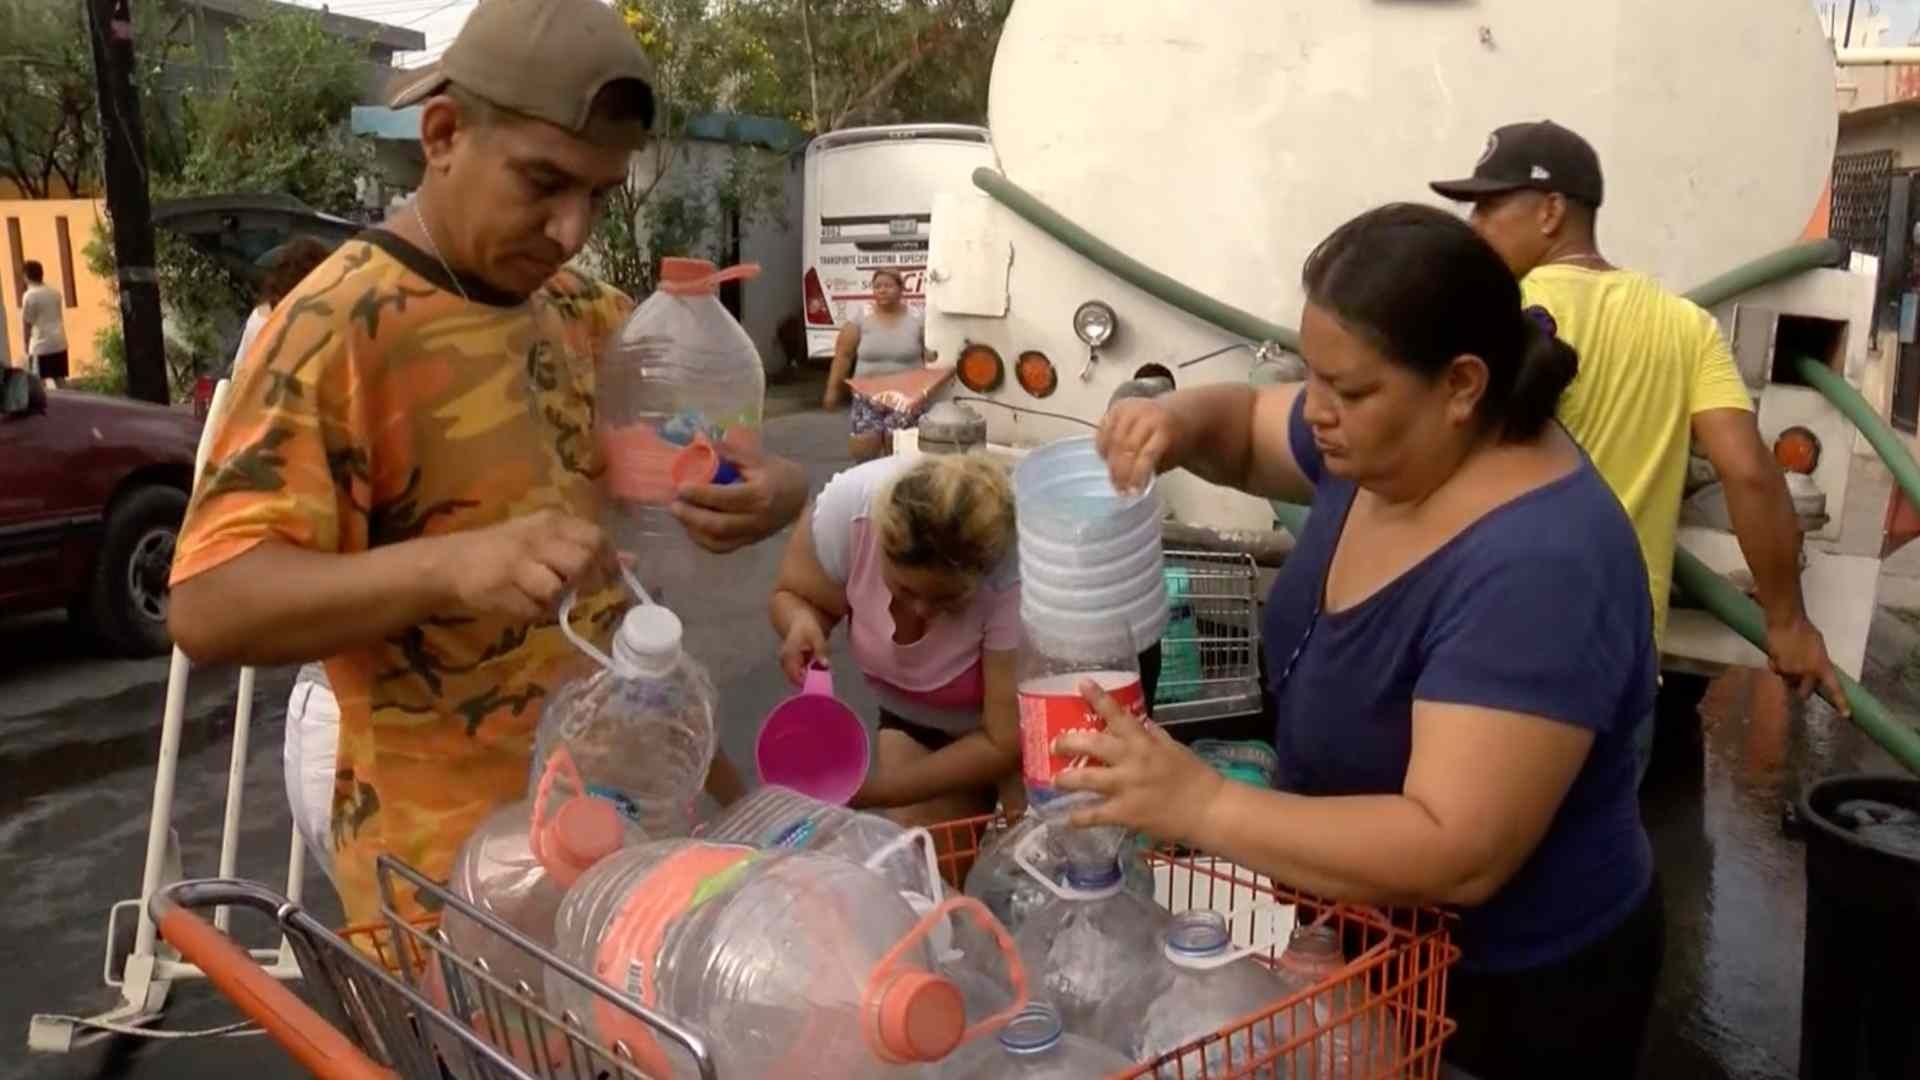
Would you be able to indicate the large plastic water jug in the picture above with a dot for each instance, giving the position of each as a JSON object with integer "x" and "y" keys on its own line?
{"x": 516, "y": 866}
{"x": 641, "y": 727}
{"x": 777, "y": 817}
{"x": 1363, "y": 1044}
{"x": 796, "y": 964}
{"x": 1200, "y": 984}
{"x": 1094, "y": 935}
{"x": 1089, "y": 555}
{"x": 681, "y": 383}
{"x": 1034, "y": 1045}
{"x": 1009, "y": 891}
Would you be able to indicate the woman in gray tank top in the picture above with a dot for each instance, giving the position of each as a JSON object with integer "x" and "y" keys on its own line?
{"x": 887, "y": 337}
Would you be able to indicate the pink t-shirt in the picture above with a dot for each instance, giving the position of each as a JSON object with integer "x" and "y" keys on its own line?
{"x": 937, "y": 680}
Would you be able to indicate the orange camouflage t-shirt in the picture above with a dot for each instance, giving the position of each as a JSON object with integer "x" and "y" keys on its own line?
{"x": 379, "y": 405}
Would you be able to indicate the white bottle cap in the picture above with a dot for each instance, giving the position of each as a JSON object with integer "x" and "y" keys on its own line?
{"x": 649, "y": 640}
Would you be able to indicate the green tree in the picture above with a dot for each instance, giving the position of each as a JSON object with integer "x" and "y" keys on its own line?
{"x": 50, "y": 121}
{"x": 280, "y": 126}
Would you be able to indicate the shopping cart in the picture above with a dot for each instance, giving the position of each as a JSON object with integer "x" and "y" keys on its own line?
{"x": 1210, "y": 653}
{"x": 384, "y": 1007}
{"x": 396, "y": 999}
{"x": 1402, "y": 956}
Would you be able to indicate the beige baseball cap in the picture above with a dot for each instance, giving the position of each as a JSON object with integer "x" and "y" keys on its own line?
{"x": 547, "y": 59}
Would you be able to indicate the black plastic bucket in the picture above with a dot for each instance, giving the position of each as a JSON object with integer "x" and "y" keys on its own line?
{"x": 1860, "y": 998}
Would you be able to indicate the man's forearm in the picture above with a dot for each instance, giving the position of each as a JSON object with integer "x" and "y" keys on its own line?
{"x": 278, "y": 604}
{"x": 1769, "y": 535}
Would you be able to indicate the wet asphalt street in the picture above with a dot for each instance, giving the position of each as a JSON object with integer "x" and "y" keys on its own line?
{"x": 78, "y": 738}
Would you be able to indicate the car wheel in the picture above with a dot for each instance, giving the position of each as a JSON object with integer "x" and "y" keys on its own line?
{"x": 126, "y": 601}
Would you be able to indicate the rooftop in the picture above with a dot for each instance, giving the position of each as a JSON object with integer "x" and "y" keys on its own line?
{"x": 397, "y": 38}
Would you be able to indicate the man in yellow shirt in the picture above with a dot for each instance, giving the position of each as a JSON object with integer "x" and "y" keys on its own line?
{"x": 1655, "y": 374}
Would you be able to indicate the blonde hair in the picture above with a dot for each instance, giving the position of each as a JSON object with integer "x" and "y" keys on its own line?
{"x": 951, "y": 512}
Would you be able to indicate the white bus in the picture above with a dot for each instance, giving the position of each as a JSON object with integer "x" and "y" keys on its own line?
{"x": 869, "y": 204}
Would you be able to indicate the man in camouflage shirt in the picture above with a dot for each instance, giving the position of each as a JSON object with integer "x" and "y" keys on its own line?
{"x": 406, "y": 479}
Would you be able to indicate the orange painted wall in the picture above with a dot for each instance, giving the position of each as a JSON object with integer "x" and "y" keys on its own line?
{"x": 90, "y": 302}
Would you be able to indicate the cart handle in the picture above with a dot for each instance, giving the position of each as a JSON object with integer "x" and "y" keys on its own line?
{"x": 317, "y": 1045}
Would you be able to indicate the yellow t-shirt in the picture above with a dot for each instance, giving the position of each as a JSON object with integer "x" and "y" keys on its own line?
{"x": 1650, "y": 361}
{"x": 378, "y": 405}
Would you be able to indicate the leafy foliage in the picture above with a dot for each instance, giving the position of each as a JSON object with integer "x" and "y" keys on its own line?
{"x": 50, "y": 125}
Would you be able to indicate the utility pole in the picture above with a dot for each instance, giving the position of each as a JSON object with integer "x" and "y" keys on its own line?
{"x": 123, "y": 147}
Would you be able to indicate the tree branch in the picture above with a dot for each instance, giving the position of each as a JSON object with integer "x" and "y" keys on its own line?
{"x": 813, "y": 70}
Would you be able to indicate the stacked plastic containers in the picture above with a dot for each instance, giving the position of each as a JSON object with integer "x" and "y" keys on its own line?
{"x": 516, "y": 867}
{"x": 1091, "y": 938}
{"x": 1090, "y": 557}
{"x": 777, "y": 817}
{"x": 1200, "y": 984}
{"x": 1033, "y": 1046}
{"x": 796, "y": 964}
{"x": 641, "y": 727}
{"x": 680, "y": 385}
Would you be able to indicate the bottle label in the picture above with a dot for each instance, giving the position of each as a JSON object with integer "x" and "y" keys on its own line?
{"x": 628, "y": 809}
{"x": 796, "y": 835}
{"x": 1052, "y": 706}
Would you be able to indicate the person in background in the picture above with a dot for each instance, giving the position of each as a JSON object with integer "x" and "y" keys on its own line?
{"x": 287, "y": 266}
{"x": 1459, "y": 647}
{"x": 1655, "y": 374}
{"x": 43, "y": 327}
{"x": 917, "y": 555}
{"x": 885, "y": 338}
{"x": 406, "y": 481}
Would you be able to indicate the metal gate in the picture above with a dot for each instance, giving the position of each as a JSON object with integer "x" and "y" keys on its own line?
{"x": 1860, "y": 200}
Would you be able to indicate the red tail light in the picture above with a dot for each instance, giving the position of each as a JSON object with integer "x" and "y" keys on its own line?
{"x": 818, "y": 313}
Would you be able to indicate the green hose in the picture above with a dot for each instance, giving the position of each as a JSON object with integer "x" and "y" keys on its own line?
{"x": 1743, "y": 616}
{"x": 1728, "y": 604}
{"x": 1129, "y": 269}
{"x": 1768, "y": 269}
{"x": 1893, "y": 452}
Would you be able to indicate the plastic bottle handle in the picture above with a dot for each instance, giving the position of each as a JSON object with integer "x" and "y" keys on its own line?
{"x": 900, "y": 843}
{"x": 1023, "y": 858}
{"x": 1016, "y": 971}
{"x": 719, "y": 277}
{"x": 1238, "y": 952}
{"x": 585, "y": 646}
{"x": 560, "y": 764}
{"x": 819, "y": 680}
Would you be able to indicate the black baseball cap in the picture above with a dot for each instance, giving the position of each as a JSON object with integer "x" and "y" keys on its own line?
{"x": 1541, "y": 156}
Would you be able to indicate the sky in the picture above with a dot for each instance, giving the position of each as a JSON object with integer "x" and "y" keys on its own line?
{"x": 1904, "y": 13}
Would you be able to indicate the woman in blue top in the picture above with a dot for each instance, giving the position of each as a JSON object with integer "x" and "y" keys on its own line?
{"x": 1459, "y": 647}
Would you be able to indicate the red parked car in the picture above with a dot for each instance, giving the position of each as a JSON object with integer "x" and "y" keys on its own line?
{"x": 92, "y": 493}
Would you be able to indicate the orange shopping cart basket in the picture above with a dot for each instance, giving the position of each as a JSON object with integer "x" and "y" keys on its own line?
{"x": 395, "y": 998}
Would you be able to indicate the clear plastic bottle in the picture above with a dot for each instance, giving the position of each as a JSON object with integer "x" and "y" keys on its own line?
{"x": 680, "y": 384}
{"x": 1090, "y": 939}
{"x": 641, "y": 729}
{"x": 1054, "y": 661}
{"x": 777, "y": 817}
{"x": 516, "y": 867}
{"x": 1033, "y": 1046}
{"x": 796, "y": 964}
{"x": 1200, "y": 984}
{"x": 1363, "y": 1045}
{"x": 998, "y": 881}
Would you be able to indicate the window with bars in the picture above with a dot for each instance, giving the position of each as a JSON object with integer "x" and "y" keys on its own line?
{"x": 1860, "y": 185}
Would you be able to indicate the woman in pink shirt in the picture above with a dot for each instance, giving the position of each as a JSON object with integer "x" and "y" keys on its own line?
{"x": 917, "y": 555}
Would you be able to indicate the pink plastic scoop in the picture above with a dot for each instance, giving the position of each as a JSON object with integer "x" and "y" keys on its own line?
{"x": 813, "y": 743}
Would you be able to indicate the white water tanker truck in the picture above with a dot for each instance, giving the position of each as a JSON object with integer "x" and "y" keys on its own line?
{"x": 1159, "y": 181}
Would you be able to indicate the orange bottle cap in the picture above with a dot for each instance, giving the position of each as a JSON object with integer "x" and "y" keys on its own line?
{"x": 922, "y": 1017}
